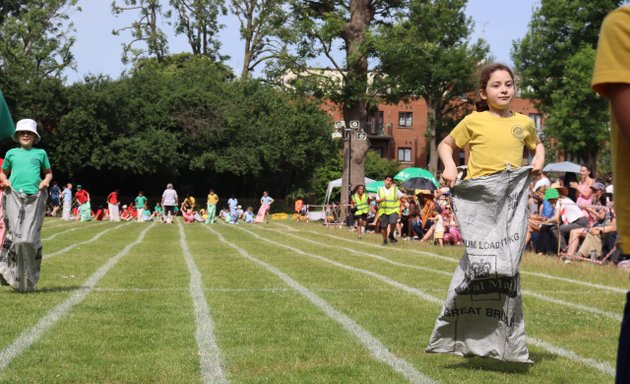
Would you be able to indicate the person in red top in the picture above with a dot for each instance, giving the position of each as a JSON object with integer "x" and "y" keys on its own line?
{"x": 112, "y": 206}
{"x": 83, "y": 198}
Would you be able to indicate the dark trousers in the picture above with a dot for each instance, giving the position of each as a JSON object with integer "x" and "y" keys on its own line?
{"x": 623, "y": 354}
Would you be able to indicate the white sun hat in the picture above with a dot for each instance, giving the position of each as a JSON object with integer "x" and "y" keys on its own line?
{"x": 28, "y": 125}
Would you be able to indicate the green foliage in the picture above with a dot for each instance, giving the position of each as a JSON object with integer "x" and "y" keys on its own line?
{"x": 186, "y": 116}
{"x": 426, "y": 53}
{"x": 325, "y": 173}
{"x": 377, "y": 168}
{"x": 264, "y": 28}
{"x": 35, "y": 39}
{"x": 198, "y": 21}
{"x": 579, "y": 120}
{"x": 143, "y": 30}
{"x": 557, "y": 31}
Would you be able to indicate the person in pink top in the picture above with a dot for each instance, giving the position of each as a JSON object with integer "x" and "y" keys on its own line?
{"x": 583, "y": 195}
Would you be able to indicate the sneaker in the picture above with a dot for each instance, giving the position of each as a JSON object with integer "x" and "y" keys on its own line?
{"x": 393, "y": 240}
{"x": 384, "y": 242}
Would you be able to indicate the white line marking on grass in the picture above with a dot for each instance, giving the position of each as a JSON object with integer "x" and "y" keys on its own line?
{"x": 33, "y": 334}
{"x": 51, "y": 224}
{"x": 71, "y": 229}
{"x": 538, "y": 296}
{"x": 584, "y": 283}
{"x": 435, "y": 255}
{"x": 71, "y": 246}
{"x": 601, "y": 366}
{"x": 210, "y": 362}
{"x": 580, "y": 307}
{"x": 378, "y": 350}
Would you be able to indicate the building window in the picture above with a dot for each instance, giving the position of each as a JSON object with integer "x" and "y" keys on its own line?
{"x": 375, "y": 123}
{"x": 404, "y": 155}
{"x": 405, "y": 119}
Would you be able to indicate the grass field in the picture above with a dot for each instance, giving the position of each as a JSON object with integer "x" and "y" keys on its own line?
{"x": 281, "y": 303}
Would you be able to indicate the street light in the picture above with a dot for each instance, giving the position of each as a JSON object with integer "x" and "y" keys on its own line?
{"x": 345, "y": 131}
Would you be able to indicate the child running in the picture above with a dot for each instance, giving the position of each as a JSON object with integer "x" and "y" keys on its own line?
{"x": 482, "y": 315}
{"x": 24, "y": 204}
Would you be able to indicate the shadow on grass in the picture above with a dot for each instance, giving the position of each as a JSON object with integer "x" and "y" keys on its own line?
{"x": 46, "y": 290}
{"x": 490, "y": 364}
{"x": 56, "y": 289}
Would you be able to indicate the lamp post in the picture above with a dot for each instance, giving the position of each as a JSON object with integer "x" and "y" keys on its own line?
{"x": 346, "y": 131}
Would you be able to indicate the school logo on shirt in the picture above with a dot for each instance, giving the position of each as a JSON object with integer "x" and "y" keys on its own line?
{"x": 517, "y": 132}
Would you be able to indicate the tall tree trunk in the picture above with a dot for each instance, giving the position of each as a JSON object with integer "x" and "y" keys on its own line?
{"x": 355, "y": 86}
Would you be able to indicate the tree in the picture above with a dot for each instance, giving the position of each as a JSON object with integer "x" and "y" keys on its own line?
{"x": 579, "y": 120}
{"x": 557, "y": 31}
{"x": 321, "y": 25}
{"x": 145, "y": 30}
{"x": 35, "y": 39}
{"x": 262, "y": 28}
{"x": 426, "y": 54}
{"x": 10, "y": 7}
{"x": 555, "y": 49}
{"x": 198, "y": 21}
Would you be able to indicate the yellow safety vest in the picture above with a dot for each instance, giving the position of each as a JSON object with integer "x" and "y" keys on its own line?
{"x": 361, "y": 203}
{"x": 389, "y": 201}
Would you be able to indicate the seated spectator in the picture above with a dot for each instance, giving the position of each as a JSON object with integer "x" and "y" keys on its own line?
{"x": 249, "y": 215}
{"x": 569, "y": 215}
{"x": 188, "y": 215}
{"x": 593, "y": 245}
{"x": 544, "y": 212}
{"x": 546, "y": 242}
{"x": 157, "y": 212}
{"x": 599, "y": 215}
{"x": 438, "y": 228}
{"x": 426, "y": 205}
{"x": 147, "y": 215}
{"x": 452, "y": 235}
{"x": 100, "y": 213}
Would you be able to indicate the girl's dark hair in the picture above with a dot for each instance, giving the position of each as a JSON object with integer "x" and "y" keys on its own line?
{"x": 590, "y": 170}
{"x": 356, "y": 189}
{"x": 484, "y": 76}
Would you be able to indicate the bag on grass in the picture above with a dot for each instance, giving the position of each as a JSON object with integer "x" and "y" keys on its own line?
{"x": 482, "y": 315}
{"x": 21, "y": 253}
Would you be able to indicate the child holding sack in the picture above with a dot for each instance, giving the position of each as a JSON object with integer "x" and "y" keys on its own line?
{"x": 482, "y": 315}
{"x": 24, "y": 204}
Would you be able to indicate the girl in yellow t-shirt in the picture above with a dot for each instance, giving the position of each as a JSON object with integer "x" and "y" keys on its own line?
{"x": 495, "y": 135}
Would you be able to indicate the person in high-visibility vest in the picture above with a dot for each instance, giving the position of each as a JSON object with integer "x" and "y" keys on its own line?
{"x": 388, "y": 198}
{"x": 360, "y": 207}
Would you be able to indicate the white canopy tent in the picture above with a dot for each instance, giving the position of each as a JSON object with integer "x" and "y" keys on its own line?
{"x": 337, "y": 184}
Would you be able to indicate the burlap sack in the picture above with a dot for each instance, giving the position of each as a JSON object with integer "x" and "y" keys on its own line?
{"x": 21, "y": 254}
{"x": 482, "y": 315}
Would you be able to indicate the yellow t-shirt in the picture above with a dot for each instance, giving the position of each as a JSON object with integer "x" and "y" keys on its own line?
{"x": 612, "y": 65}
{"x": 213, "y": 198}
{"x": 494, "y": 141}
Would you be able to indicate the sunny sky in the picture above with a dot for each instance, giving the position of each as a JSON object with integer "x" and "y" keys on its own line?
{"x": 98, "y": 51}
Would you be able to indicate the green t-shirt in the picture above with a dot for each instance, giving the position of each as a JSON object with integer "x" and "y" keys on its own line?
{"x": 140, "y": 201}
{"x": 25, "y": 167}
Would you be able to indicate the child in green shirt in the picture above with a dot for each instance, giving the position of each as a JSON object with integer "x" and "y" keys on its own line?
{"x": 24, "y": 204}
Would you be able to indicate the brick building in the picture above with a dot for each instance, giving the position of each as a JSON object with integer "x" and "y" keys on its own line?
{"x": 397, "y": 132}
